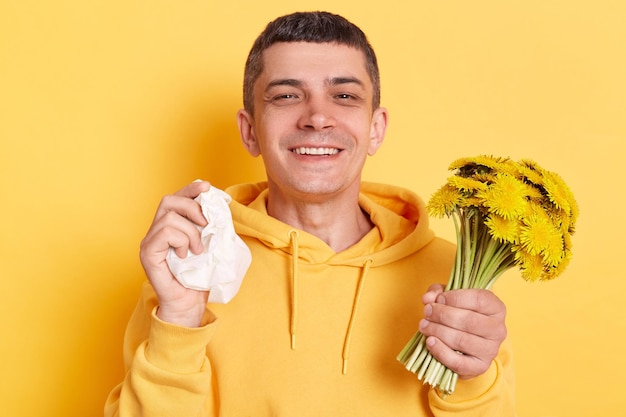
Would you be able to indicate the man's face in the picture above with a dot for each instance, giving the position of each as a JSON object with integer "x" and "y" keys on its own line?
{"x": 313, "y": 121}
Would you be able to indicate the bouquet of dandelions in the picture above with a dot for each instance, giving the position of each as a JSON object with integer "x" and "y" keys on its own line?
{"x": 505, "y": 214}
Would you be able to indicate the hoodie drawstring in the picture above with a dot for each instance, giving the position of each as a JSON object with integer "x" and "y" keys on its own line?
{"x": 359, "y": 289}
{"x": 345, "y": 354}
{"x": 293, "y": 234}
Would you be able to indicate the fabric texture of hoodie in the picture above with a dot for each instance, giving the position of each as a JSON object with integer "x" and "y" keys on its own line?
{"x": 311, "y": 332}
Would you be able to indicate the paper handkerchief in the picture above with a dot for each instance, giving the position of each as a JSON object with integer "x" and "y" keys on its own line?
{"x": 220, "y": 268}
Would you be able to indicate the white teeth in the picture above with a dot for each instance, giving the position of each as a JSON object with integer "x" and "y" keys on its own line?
{"x": 316, "y": 151}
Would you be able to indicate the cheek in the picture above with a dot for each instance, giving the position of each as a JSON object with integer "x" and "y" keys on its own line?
{"x": 363, "y": 133}
{"x": 273, "y": 124}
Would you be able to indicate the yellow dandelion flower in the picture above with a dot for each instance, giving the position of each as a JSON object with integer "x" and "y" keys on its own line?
{"x": 561, "y": 195}
{"x": 567, "y": 243}
{"x": 481, "y": 163}
{"x": 530, "y": 265}
{"x": 558, "y": 269}
{"x": 506, "y": 197}
{"x": 530, "y": 164}
{"x": 509, "y": 167}
{"x": 460, "y": 163}
{"x": 539, "y": 235}
{"x": 466, "y": 184}
{"x": 484, "y": 177}
{"x": 471, "y": 201}
{"x": 555, "y": 214}
{"x": 573, "y": 217}
{"x": 557, "y": 192}
{"x": 502, "y": 229}
{"x": 553, "y": 252}
{"x": 444, "y": 201}
{"x": 562, "y": 219}
{"x": 532, "y": 191}
{"x": 529, "y": 175}
{"x": 533, "y": 180}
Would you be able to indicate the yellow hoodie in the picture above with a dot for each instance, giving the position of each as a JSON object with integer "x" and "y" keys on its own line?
{"x": 311, "y": 332}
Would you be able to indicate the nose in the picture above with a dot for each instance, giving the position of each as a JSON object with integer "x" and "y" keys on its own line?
{"x": 317, "y": 115}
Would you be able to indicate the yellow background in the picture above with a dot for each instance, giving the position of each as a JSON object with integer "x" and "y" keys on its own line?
{"x": 106, "y": 106}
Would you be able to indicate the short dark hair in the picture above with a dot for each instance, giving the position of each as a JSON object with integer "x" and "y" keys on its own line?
{"x": 316, "y": 27}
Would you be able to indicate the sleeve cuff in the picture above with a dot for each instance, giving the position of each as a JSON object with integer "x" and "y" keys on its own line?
{"x": 468, "y": 389}
{"x": 179, "y": 349}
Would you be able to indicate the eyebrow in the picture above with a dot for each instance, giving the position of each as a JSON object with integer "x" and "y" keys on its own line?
{"x": 346, "y": 80}
{"x": 334, "y": 81}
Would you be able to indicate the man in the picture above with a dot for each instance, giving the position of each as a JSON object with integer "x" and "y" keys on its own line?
{"x": 338, "y": 266}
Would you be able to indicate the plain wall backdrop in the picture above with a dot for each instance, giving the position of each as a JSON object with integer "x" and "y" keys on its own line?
{"x": 105, "y": 106}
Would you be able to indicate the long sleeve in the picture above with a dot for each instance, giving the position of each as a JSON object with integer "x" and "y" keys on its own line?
{"x": 167, "y": 371}
{"x": 489, "y": 394}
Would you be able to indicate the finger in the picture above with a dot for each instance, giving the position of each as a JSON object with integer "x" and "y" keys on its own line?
{"x": 431, "y": 295}
{"x": 481, "y": 301}
{"x": 480, "y": 344}
{"x": 184, "y": 206}
{"x": 153, "y": 253}
{"x": 173, "y": 230}
{"x": 486, "y": 326}
{"x": 465, "y": 365}
{"x": 157, "y": 245}
{"x": 194, "y": 189}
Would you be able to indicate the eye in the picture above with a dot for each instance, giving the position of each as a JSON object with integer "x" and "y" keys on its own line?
{"x": 284, "y": 98}
{"x": 348, "y": 99}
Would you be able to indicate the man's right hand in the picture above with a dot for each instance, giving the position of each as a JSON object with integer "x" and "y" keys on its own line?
{"x": 173, "y": 227}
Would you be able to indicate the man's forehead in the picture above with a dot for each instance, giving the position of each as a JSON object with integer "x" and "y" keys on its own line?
{"x": 337, "y": 60}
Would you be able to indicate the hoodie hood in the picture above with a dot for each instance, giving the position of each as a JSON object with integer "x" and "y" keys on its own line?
{"x": 399, "y": 215}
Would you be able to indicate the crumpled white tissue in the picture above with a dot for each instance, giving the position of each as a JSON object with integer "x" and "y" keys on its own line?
{"x": 220, "y": 268}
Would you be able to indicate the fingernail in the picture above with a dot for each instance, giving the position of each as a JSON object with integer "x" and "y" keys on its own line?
{"x": 430, "y": 342}
{"x": 441, "y": 299}
{"x": 428, "y": 310}
{"x": 423, "y": 323}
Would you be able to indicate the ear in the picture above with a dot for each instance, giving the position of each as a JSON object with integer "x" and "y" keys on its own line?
{"x": 378, "y": 128}
{"x": 245, "y": 122}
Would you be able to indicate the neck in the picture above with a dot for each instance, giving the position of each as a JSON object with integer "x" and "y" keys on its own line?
{"x": 340, "y": 223}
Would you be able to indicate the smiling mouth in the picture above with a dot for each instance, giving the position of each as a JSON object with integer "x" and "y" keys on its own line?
{"x": 315, "y": 151}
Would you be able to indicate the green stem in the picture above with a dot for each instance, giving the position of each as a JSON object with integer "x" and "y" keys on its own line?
{"x": 410, "y": 348}
{"x": 453, "y": 280}
{"x": 468, "y": 247}
{"x": 500, "y": 256}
